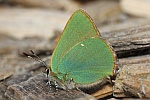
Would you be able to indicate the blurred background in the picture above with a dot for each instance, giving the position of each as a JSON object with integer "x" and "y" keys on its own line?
{"x": 37, "y": 25}
{"x": 42, "y": 18}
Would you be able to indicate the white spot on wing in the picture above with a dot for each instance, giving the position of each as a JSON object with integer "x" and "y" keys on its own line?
{"x": 82, "y": 45}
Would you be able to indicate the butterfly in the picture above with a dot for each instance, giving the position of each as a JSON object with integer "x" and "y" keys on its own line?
{"x": 82, "y": 58}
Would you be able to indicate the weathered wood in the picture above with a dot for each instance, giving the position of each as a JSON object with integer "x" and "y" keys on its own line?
{"x": 135, "y": 60}
{"x": 130, "y": 42}
{"x": 35, "y": 88}
{"x": 133, "y": 41}
{"x": 31, "y": 22}
{"x": 126, "y": 24}
{"x": 110, "y": 10}
{"x": 105, "y": 91}
{"x": 57, "y": 4}
{"x": 136, "y": 7}
{"x": 15, "y": 79}
{"x": 40, "y": 45}
{"x": 133, "y": 78}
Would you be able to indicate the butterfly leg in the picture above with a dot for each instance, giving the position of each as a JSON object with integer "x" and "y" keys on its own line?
{"x": 56, "y": 85}
{"x": 71, "y": 84}
{"x": 48, "y": 77}
{"x": 47, "y": 73}
{"x": 50, "y": 81}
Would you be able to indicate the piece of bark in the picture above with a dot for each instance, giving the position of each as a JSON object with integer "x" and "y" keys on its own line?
{"x": 4, "y": 75}
{"x": 24, "y": 22}
{"x": 103, "y": 11}
{"x": 57, "y": 4}
{"x": 135, "y": 60}
{"x": 136, "y": 7}
{"x": 125, "y": 23}
{"x": 129, "y": 42}
{"x": 35, "y": 88}
{"x": 3, "y": 89}
{"x": 133, "y": 41}
{"x": 11, "y": 64}
{"x": 105, "y": 91}
{"x": 14, "y": 79}
{"x": 10, "y": 45}
{"x": 133, "y": 78}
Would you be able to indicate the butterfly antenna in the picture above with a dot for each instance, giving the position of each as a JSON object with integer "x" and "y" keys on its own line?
{"x": 36, "y": 58}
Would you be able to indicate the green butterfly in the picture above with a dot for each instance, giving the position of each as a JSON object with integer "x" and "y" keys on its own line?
{"x": 81, "y": 59}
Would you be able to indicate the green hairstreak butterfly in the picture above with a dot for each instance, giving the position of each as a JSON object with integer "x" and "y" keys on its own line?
{"x": 81, "y": 58}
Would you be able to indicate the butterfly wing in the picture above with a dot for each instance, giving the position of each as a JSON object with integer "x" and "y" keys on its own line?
{"x": 80, "y": 53}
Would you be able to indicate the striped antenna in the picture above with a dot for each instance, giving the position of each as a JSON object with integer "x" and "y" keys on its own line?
{"x": 36, "y": 58}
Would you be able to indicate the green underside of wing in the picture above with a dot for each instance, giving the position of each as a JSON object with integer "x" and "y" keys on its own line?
{"x": 80, "y": 53}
